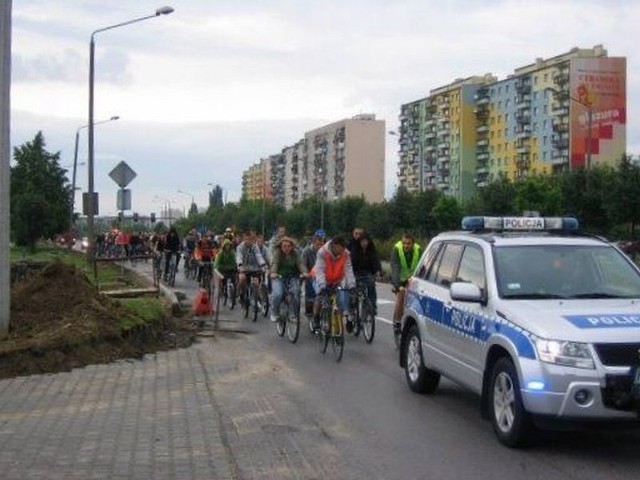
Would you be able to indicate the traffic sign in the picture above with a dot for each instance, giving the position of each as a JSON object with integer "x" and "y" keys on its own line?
{"x": 122, "y": 174}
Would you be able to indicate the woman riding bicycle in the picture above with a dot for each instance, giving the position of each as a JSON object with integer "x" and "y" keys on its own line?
{"x": 366, "y": 265}
{"x": 286, "y": 266}
{"x": 226, "y": 261}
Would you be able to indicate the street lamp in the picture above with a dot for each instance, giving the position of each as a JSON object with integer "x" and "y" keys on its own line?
{"x": 75, "y": 163}
{"x": 192, "y": 201}
{"x": 90, "y": 202}
{"x": 589, "y": 108}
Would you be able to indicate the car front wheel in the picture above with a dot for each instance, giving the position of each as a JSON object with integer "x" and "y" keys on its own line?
{"x": 511, "y": 422}
{"x": 420, "y": 378}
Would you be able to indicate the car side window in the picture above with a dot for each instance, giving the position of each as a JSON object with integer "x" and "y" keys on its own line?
{"x": 432, "y": 271}
{"x": 428, "y": 260}
{"x": 449, "y": 264}
{"x": 471, "y": 268}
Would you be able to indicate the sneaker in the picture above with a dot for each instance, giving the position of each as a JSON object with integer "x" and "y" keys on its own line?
{"x": 273, "y": 317}
{"x": 349, "y": 325}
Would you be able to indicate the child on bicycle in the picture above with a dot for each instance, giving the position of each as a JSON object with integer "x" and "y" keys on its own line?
{"x": 226, "y": 261}
{"x": 286, "y": 266}
{"x": 333, "y": 269}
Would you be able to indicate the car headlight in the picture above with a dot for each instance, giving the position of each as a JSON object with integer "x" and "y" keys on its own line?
{"x": 570, "y": 354}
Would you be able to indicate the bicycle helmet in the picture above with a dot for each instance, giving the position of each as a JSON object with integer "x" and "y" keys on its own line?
{"x": 320, "y": 233}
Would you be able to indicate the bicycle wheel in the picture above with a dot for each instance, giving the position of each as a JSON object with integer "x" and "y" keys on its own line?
{"x": 255, "y": 302}
{"x": 231, "y": 294}
{"x": 246, "y": 301}
{"x": 324, "y": 333}
{"x": 357, "y": 321}
{"x": 337, "y": 336}
{"x": 293, "y": 321}
{"x": 224, "y": 291}
{"x": 281, "y": 324}
{"x": 368, "y": 320}
{"x": 264, "y": 303}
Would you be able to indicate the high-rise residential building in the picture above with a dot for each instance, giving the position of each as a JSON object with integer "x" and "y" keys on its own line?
{"x": 561, "y": 113}
{"x": 345, "y": 158}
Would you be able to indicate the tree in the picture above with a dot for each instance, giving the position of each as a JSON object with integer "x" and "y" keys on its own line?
{"x": 40, "y": 194}
{"x": 539, "y": 193}
{"x": 497, "y": 198}
{"x": 447, "y": 213}
{"x": 216, "y": 199}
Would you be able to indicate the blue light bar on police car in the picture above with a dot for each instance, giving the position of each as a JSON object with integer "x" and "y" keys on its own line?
{"x": 519, "y": 223}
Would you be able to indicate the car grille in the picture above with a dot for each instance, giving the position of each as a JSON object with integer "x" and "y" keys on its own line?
{"x": 618, "y": 354}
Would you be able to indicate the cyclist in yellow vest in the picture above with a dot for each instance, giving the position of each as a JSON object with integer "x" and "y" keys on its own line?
{"x": 404, "y": 260}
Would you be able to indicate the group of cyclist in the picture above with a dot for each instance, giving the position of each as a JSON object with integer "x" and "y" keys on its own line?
{"x": 323, "y": 264}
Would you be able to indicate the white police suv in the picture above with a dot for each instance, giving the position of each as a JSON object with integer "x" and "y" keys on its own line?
{"x": 541, "y": 321}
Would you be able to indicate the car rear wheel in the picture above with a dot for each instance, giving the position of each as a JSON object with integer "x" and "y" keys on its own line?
{"x": 420, "y": 378}
{"x": 511, "y": 422}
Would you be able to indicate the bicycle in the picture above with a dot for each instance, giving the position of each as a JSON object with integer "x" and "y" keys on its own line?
{"x": 228, "y": 291}
{"x": 170, "y": 276}
{"x": 206, "y": 277}
{"x": 365, "y": 316}
{"x": 250, "y": 298}
{"x": 289, "y": 317}
{"x": 190, "y": 266}
{"x": 331, "y": 325}
{"x": 263, "y": 299}
{"x": 157, "y": 269}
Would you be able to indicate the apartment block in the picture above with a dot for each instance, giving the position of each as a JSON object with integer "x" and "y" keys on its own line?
{"x": 345, "y": 158}
{"x": 565, "y": 112}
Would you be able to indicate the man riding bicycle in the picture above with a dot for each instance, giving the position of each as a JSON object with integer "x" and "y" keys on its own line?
{"x": 204, "y": 253}
{"x": 286, "y": 266}
{"x": 250, "y": 261}
{"x": 172, "y": 246}
{"x": 226, "y": 261}
{"x": 333, "y": 269}
{"x": 405, "y": 256}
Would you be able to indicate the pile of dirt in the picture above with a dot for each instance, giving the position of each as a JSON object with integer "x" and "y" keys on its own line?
{"x": 60, "y": 322}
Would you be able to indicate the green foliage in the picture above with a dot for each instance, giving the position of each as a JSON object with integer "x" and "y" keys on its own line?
{"x": 447, "y": 214}
{"x": 40, "y": 194}
{"x": 216, "y": 199}
{"x": 538, "y": 193}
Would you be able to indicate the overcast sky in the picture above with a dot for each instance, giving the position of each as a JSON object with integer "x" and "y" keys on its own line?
{"x": 207, "y": 91}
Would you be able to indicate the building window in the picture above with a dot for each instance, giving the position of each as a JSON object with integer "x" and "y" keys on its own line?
{"x": 535, "y": 79}
{"x": 544, "y": 140}
{"x": 506, "y": 103}
{"x": 535, "y": 111}
{"x": 544, "y": 124}
{"x": 500, "y": 104}
{"x": 506, "y": 89}
{"x": 546, "y": 77}
{"x": 545, "y": 109}
{"x": 506, "y": 117}
{"x": 534, "y": 128}
{"x": 544, "y": 155}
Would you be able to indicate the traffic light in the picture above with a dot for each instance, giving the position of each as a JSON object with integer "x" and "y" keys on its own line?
{"x": 135, "y": 217}
{"x": 153, "y": 218}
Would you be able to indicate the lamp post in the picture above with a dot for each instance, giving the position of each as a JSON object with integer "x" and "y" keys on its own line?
{"x": 90, "y": 187}
{"x": 75, "y": 164}
{"x": 589, "y": 108}
{"x": 192, "y": 201}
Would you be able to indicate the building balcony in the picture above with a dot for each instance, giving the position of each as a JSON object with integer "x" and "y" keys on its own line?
{"x": 482, "y": 128}
{"x": 523, "y": 118}
{"x": 561, "y": 78}
{"x": 560, "y": 159}
{"x": 561, "y": 143}
{"x": 483, "y": 142}
{"x": 523, "y": 149}
{"x": 482, "y": 156}
{"x": 523, "y": 131}
{"x": 523, "y": 85}
{"x": 560, "y": 127}
{"x": 523, "y": 163}
{"x": 523, "y": 99}
{"x": 560, "y": 111}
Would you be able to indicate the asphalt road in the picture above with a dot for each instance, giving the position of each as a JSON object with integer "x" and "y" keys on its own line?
{"x": 380, "y": 429}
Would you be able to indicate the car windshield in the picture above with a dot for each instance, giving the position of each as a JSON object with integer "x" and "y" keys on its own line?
{"x": 564, "y": 271}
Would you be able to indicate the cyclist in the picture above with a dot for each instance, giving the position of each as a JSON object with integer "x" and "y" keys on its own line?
{"x": 226, "y": 261}
{"x": 366, "y": 265}
{"x": 405, "y": 256}
{"x": 172, "y": 246}
{"x": 332, "y": 269}
{"x": 287, "y": 264}
{"x": 309, "y": 259}
{"x": 249, "y": 260}
{"x": 204, "y": 254}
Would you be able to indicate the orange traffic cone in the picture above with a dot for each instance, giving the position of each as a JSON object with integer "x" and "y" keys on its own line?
{"x": 202, "y": 303}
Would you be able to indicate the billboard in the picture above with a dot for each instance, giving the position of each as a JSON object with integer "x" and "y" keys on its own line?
{"x": 598, "y": 90}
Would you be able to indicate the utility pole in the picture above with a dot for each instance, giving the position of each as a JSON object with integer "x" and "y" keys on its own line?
{"x": 5, "y": 164}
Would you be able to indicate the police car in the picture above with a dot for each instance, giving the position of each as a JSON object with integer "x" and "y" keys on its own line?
{"x": 541, "y": 321}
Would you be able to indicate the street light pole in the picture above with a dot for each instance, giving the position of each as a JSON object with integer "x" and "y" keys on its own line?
{"x": 91, "y": 201}
{"x": 589, "y": 108}
{"x": 75, "y": 165}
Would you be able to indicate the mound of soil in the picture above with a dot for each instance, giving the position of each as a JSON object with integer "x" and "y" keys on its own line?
{"x": 60, "y": 322}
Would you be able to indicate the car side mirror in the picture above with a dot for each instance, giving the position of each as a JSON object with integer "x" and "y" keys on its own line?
{"x": 466, "y": 292}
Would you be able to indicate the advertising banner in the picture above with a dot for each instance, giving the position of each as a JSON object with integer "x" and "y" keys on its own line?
{"x": 598, "y": 90}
